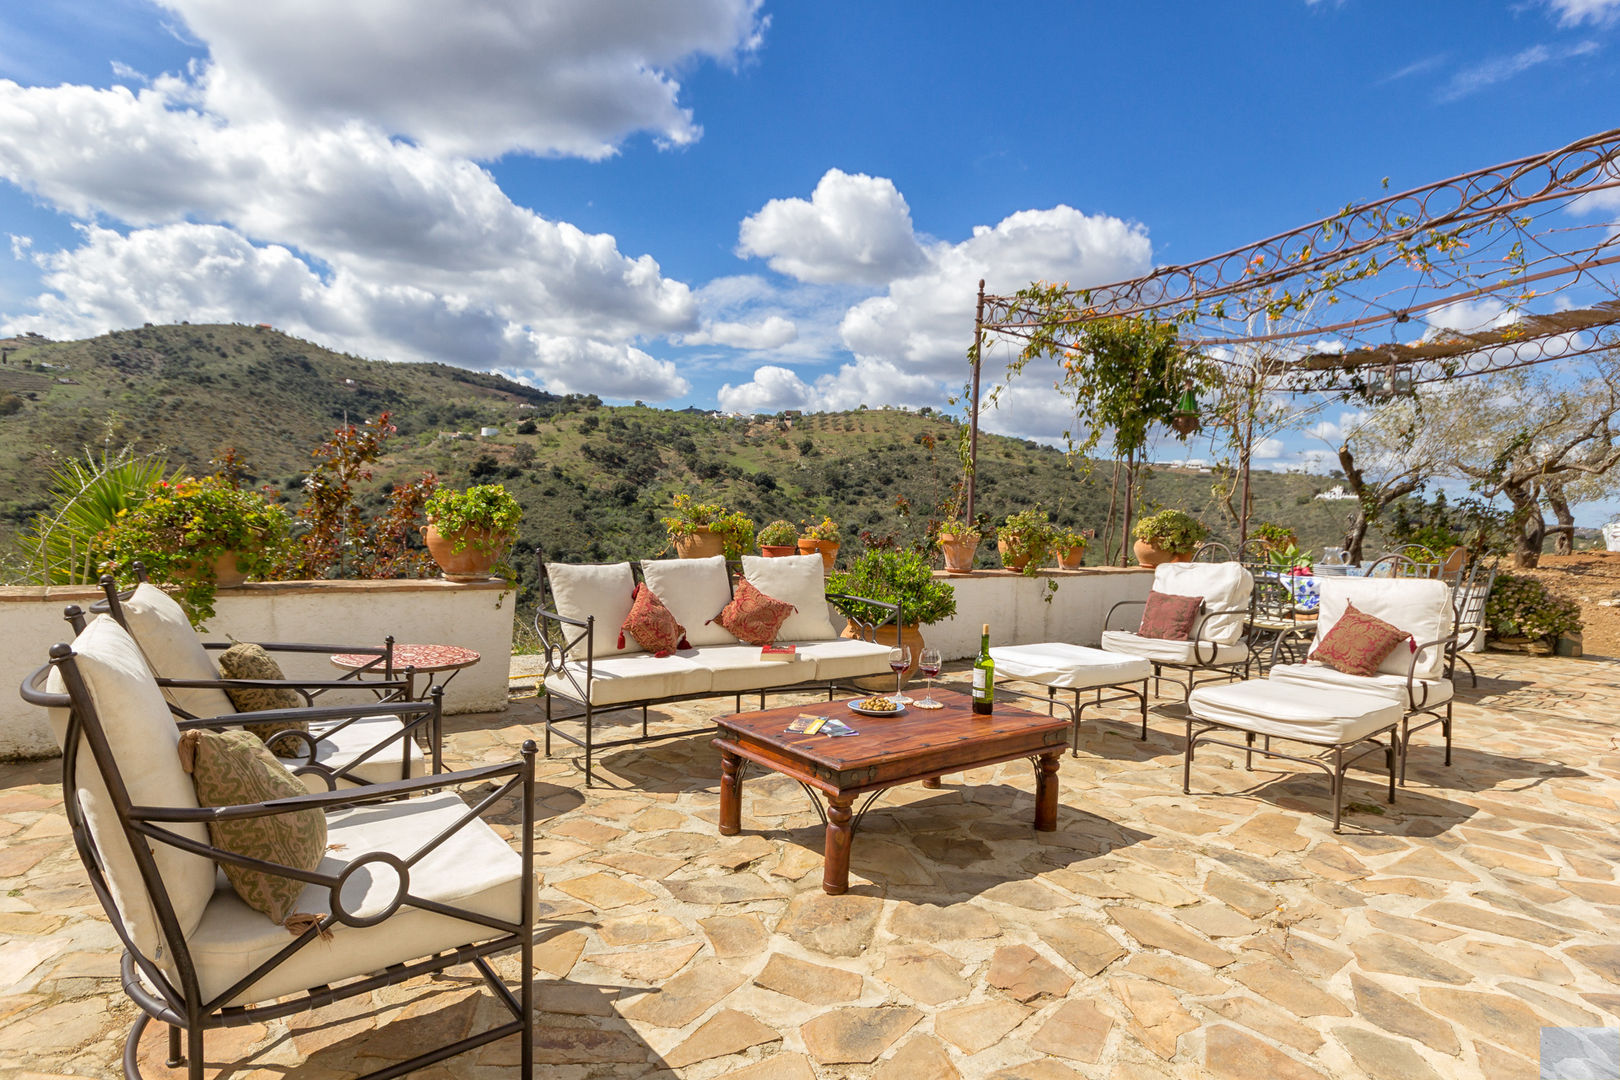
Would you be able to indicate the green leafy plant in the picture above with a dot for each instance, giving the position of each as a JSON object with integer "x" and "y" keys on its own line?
{"x": 181, "y": 529}
{"x": 1288, "y": 559}
{"x": 1176, "y": 531}
{"x": 1275, "y": 535}
{"x": 901, "y": 576}
{"x": 779, "y": 533}
{"x": 1521, "y": 606}
{"x": 1065, "y": 538}
{"x": 86, "y": 495}
{"x": 1026, "y": 534}
{"x": 734, "y": 528}
{"x": 483, "y": 517}
{"x": 826, "y": 529}
{"x": 962, "y": 530}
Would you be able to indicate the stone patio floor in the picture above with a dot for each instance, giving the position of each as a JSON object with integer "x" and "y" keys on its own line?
{"x": 1226, "y": 933}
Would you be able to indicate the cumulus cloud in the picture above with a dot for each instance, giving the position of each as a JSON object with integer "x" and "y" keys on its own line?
{"x": 771, "y": 333}
{"x": 568, "y": 78}
{"x": 854, "y": 228}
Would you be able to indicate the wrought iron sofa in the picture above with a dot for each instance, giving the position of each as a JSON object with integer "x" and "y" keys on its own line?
{"x": 592, "y": 664}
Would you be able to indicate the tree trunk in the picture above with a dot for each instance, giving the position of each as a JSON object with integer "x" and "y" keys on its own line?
{"x": 1564, "y": 541}
{"x": 1531, "y": 526}
{"x": 1355, "y": 533}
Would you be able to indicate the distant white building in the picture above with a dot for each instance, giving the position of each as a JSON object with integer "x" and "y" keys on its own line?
{"x": 1336, "y": 493}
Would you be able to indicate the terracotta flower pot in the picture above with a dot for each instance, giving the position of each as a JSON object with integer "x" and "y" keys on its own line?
{"x": 700, "y": 543}
{"x": 1148, "y": 554}
{"x": 828, "y": 549}
{"x": 1010, "y": 561}
{"x": 777, "y": 551}
{"x": 910, "y": 636}
{"x": 226, "y": 574}
{"x": 471, "y": 563}
{"x": 1070, "y": 558}
{"x": 959, "y": 551}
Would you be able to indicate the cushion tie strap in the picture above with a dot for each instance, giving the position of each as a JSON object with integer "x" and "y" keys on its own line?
{"x": 300, "y": 922}
{"x": 188, "y": 750}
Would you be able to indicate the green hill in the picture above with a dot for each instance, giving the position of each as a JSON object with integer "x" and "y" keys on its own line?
{"x": 593, "y": 479}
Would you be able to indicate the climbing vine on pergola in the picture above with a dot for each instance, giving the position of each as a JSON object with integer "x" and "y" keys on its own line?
{"x": 1359, "y": 304}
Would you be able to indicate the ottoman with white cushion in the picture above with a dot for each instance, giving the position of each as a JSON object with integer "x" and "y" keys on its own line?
{"x": 1330, "y": 717}
{"x": 1060, "y": 666}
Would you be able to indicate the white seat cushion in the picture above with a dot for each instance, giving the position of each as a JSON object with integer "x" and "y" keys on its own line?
{"x": 174, "y": 651}
{"x": 737, "y": 668}
{"x": 634, "y": 678}
{"x": 1425, "y": 692}
{"x": 1419, "y": 606}
{"x": 1162, "y": 651}
{"x": 144, "y": 742}
{"x": 337, "y": 747}
{"x": 1223, "y": 586}
{"x": 846, "y": 658}
{"x": 800, "y": 580}
{"x": 1056, "y": 663}
{"x": 694, "y": 590}
{"x": 1326, "y": 716}
{"x": 603, "y": 590}
{"x": 474, "y": 869}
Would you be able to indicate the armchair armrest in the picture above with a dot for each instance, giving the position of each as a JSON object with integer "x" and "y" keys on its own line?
{"x": 870, "y": 627}
{"x": 1109, "y": 618}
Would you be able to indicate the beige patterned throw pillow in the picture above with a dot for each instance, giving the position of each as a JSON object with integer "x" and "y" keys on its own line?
{"x": 245, "y": 660}
{"x": 230, "y": 768}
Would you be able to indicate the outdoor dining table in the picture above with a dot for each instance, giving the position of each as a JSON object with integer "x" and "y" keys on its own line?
{"x": 414, "y": 660}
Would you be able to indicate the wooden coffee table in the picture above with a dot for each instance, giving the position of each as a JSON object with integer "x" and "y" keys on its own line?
{"x": 917, "y": 745}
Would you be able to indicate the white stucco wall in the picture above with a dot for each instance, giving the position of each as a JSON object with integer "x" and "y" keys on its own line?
{"x": 1014, "y": 607}
{"x": 473, "y": 616}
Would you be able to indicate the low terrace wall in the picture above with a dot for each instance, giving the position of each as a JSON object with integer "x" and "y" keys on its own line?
{"x": 473, "y": 616}
{"x": 1016, "y": 609}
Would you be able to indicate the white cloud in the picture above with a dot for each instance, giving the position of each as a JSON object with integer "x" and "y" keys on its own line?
{"x": 855, "y": 228}
{"x": 1270, "y": 449}
{"x": 772, "y": 389}
{"x": 1501, "y": 68}
{"x": 570, "y": 77}
{"x": 772, "y": 333}
{"x": 1467, "y": 316}
{"x": 1575, "y": 12}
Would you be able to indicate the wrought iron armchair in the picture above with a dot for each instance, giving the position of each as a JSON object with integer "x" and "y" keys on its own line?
{"x": 408, "y": 886}
{"x": 1469, "y": 599}
{"x": 1217, "y": 645}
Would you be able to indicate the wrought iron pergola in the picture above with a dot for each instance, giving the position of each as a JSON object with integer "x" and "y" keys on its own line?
{"x": 1366, "y": 302}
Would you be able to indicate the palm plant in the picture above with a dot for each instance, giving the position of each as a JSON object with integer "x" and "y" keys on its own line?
{"x": 86, "y": 497}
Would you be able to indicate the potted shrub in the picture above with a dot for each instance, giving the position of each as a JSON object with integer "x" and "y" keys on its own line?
{"x": 1070, "y": 547}
{"x": 702, "y": 530}
{"x": 1276, "y": 537}
{"x": 1168, "y": 536}
{"x": 895, "y": 577}
{"x": 779, "y": 538}
{"x": 1024, "y": 539}
{"x": 821, "y": 536}
{"x": 469, "y": 532}
{"x": 1524, "y": 616}
{"x": 959, "y": 540}
{"x": 197, "y": 534}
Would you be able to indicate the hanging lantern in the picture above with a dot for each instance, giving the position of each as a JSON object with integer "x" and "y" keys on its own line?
{"x": 1185, "y": 418}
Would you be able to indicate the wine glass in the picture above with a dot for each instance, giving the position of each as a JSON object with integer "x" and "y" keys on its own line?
{"x": 899, "y": 660}
{"x": 929, "y": 663}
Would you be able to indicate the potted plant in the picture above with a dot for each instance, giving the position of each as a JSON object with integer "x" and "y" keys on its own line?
{"x": 896, "y": 577}
{"x": 777, "y": 539}
{"x": 1276, "y": 537}
{"x": 1168, "y": 536}
{"x": 702, "y": 530}
{"x": 1523, "y": 615}
{"x": 469, "y": 532}
{"x": 959, "y": 540}
{"x": 821, "y": 536}
{"x": 1023, "y": 539}
{"x": 1069, "y": 544}
{"x": 199, "y": 535}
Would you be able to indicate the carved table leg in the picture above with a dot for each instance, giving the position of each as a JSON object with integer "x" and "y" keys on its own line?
{"x": 1046, "y": 791}
{"x": 931, "y": 782}
{"x": 840, "y": 831}
{"x": 730, "y": 794}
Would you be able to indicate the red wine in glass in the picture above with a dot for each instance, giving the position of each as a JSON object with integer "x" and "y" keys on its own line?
{"x": 899, "y": 660}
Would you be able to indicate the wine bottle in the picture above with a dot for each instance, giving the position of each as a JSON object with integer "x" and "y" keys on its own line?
{"x": 984, "y": 677}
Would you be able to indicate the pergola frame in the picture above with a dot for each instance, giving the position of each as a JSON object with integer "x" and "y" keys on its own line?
{"x": 1333, "y": 296}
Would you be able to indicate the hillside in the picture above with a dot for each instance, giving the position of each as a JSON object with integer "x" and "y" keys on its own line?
{"x": 594, "y": 479}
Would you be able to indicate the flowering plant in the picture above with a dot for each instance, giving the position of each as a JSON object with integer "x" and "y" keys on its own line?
{"x": 734, "y": 528}
{"x": 180, "y": 530}
{"x": 779, "y": 533}
{"x": 826, "y": 530}
{"x": 1521, "y": 606}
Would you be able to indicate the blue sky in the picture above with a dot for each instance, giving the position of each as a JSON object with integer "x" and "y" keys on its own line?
{"x": 730, "y": 203}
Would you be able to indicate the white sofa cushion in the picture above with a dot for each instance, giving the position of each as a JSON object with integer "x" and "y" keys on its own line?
{"x": 694, "y": 590}
{"x": 1224, "y": 587}
{"x": 174, "y": 651}
{"x": 846, "y": 658}
{"x": 738, "y": 668}
{"x": 800, "y": 580}
{"x": 144, "y": 742}
{"x": 338, "y": 747}
{"x": 1164, "y": 651}
{"x": 634, "y": 678}
{"x": 1419, "y": 606}
{"x": 580, "y": 590}
{"x": 1056, "y": 663}
{"x": 1326, "y": 716}
{"x": 474, "y": 868}
{"x": 1425, "y": 692}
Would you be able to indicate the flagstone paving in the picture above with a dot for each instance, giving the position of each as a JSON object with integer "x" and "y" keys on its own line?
{"x": 1226, "y": 933}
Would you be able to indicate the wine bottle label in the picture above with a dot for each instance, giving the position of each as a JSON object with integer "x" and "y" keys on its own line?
{"x": 978, "y": 678}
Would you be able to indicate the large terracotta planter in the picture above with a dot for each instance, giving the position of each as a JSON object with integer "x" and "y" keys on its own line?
{"x": 910, "y": 636}
{"x": 225, "y": 572}
{"x": 1070, "y": 558}
{"x": 1011, "y": 561}
{"x": 700, "y": 543}
{"x": 777, "y": 551}
{"x": 828, "y": 549}
{"x": 959, "y": 551}
{"x": 471, "y": 563}
{"x": 1151, "y": 555}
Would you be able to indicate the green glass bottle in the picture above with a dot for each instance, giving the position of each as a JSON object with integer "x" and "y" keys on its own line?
{"x": 984, "y": 677}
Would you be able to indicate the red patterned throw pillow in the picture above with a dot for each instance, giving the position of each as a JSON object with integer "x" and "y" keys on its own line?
{"x": 1358, "y": 643}
{"x": 651, "y": 624}
{"x": 1169, "y": 617}
{"x": 753, "y": 617}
